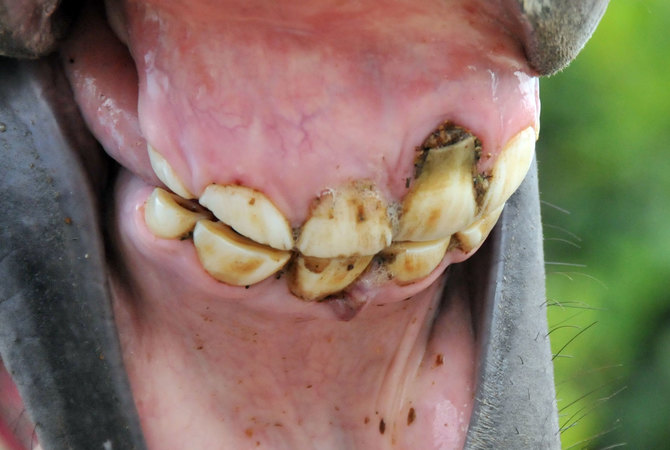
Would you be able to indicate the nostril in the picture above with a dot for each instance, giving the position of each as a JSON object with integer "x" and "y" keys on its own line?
{"x": 553, "y": 32}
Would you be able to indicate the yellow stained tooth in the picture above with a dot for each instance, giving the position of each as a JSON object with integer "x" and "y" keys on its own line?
{"x": 442, "y": 199}
{"x": 250, "y": 213}
{"x": 509, "y": 169}
{"x": 232, "y": 258}
{"x": 410, "y": 261}
{"x": 315, "y": 278}
{"x": 351, "y": 221}
{"x": 169, "y": 216}
{"x": 166, "y": 173}
{"x": 475, "y": 234}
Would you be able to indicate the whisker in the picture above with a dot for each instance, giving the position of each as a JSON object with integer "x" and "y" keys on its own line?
{"x": 595, "y": 436}
{"x": 575, "y": 305}
{"x": 595, "y": 405}
{"x": 572, "y": 339}
{"x": 569, "y": 319}
{"x": 566, "y": 241}
{"x": 582, "y": 373}
{"x": 556, "y": 263}
{"x": 556, "y": 207}
{"x": 588, "y": 393}
{"x": 562, "y": 229}
{"x": 559, "y": 328}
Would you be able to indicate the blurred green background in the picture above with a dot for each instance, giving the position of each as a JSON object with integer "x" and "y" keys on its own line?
{"x": 604, "y": 164}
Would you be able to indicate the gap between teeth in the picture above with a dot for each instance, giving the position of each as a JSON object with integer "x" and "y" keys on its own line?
{"x": 448, "y": 205}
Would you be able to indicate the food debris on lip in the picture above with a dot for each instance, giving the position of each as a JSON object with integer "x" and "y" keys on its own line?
{"x": 411, "y": 416}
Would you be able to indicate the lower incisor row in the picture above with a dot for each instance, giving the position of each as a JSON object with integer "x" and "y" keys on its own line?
{"x": 239, "y": 261}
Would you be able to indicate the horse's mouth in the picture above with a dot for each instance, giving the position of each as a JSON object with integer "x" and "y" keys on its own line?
{"x": 343, "y": 323}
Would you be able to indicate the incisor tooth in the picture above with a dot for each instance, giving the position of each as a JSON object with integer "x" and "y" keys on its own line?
{"x": 410, "y": 261}
{"x": 315, "y": 278}
{"x": 250, "y": 213}
{"x": 509, "y": 169}
{"x": 169, "y": 216}
{"x": 475, "y": 234}
{"x": 166, "y": 173}
{"x": 232, "y": 258}
{"x": 352, "y": 221}
{"x": 442, "y": 199}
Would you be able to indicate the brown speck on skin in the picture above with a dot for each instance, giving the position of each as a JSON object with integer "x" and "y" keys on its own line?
{"x": 309, "y": 386}
{"x": 439, "y": 359}
{"x": 411, "y": 415}
{"x": 350, "y": 267}
{"x": 366, "y": 420}
{"x": 407, "y": 183}
{"x": 249, "y": 432}
{"x": 382, "y": 426}
{"x": 199, "y": 347}
{"x": 252, "y": 201}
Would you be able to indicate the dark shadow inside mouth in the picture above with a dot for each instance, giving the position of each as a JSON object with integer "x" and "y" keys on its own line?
{"x": 515, "y": 396}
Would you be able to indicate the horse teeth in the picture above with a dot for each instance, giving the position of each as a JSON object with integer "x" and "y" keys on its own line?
{"x": 169, "y": 216}
{"x": 250, "y": 213}
{"x": 472, "y": 237}
{"x": 509, "y": 170}
{"x": 442, "y": 199}
{"x": 352, "y": 221}
{"x": 449, "y": 204}
{"x": 407, "y": 262}
{"x": 167, "y": 174}
{"x": 232, "y": 258}
{"x": 314, "y": 278}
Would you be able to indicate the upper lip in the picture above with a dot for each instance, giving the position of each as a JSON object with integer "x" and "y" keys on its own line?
{"x": 86, "y": 384}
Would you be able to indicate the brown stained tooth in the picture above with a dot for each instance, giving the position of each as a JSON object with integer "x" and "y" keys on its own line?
{"x": 169, "y": 216}
{"x": 407, "y": 262}
{"x": 250, "y": 213}
{"x": 315, "y": 278}
{"x": 167, "y": 174}
{"x": 442, "y": 199}
{"x": 474, "y": 235}
{"x": 232, "y": 258}
{"x": 349, "y": 221}
{"x": 509, "y": 170}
